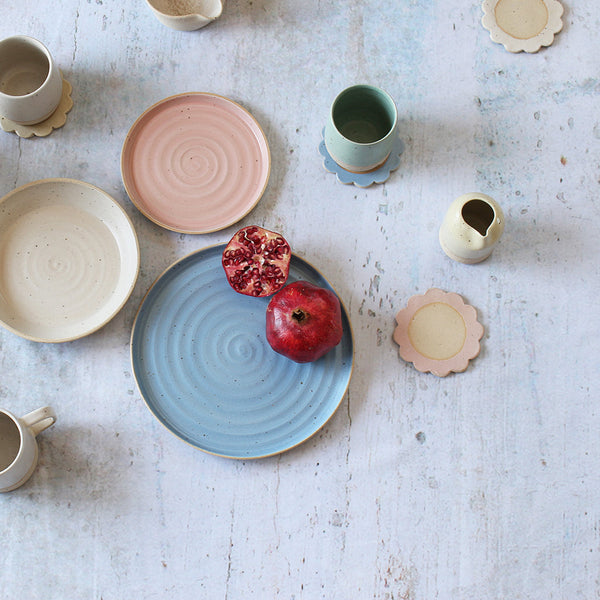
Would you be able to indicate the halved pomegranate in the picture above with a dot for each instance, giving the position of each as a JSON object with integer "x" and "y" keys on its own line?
{"x": 257, "y": 261}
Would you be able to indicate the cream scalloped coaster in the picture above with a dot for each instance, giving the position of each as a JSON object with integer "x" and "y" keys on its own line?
{"x": 438, "y": 333}
{"x": 522, "y": 25}
{"x": 57, "y": 119}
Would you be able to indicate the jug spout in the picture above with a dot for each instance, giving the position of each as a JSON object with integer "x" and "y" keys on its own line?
{"x": 477, "y": 241}
{"x": 471, "y": 228}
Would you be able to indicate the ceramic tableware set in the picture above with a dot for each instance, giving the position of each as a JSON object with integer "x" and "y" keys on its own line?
{"x": 72, "y": 258}
{"x": 437, "y": 332}
{"x": 192, "y": 163}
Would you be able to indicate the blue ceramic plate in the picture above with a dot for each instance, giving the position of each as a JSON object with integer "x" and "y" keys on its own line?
{"x": 205, "y": 369}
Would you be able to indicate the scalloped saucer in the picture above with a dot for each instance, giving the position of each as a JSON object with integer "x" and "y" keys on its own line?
{"x": 363, "y": 180}
{"x": 522, "y": 25}
{"x": 56, "y": 120}
{"x": 438, "y": 332}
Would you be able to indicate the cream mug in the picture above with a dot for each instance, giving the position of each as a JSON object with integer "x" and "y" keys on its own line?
{"x": 30, "y": 82}
{"x": 18, "y": 446}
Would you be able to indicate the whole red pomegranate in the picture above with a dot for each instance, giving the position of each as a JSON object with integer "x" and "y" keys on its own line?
{"x": 257, "y": 261}
{"x": 304, "y": 321}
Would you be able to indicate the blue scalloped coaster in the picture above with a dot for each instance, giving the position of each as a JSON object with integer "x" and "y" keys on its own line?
{"x": 363, "y": 179}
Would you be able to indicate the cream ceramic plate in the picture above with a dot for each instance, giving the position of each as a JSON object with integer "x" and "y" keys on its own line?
{"x": 195, "y": 163}
{"x": 69, "y": 259}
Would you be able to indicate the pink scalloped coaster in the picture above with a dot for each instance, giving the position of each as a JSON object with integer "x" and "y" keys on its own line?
{"x": 438, "y": 332}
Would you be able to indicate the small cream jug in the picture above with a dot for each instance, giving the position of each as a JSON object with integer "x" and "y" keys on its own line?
{"x": 186, "y": 15}
{"x": 471, "y": 228}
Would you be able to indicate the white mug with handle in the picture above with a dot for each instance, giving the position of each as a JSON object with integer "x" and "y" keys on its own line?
{"x": 18, "y": 446}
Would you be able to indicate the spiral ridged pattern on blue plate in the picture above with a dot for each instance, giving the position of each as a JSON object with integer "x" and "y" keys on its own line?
{"x": 207, "y": 372}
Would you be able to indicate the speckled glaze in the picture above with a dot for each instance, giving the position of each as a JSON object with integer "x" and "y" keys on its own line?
{"x": 195, "y": 163}
{"x": 186, "y": 15}
{"x": 56, "y": 120}
{"x": 205, "y": 369}
{"x": 69, "y": 256}
{"x": 522, "y": 25}
{"x": 30, "y": 82}
{"x": 18, "y": 447}
{"x": 471, "y": 228}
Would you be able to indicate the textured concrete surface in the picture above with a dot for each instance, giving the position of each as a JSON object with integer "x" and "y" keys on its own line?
{"x": 479, "y": 486}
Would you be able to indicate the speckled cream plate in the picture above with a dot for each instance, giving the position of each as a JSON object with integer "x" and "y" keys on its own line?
{"x": 195, "y": 163}
{"x": 69, "y": 259}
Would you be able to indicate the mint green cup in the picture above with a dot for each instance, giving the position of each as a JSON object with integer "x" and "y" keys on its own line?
{"x": 361, "y": 128}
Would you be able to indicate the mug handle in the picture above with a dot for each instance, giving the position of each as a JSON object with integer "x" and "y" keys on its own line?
{"x": 39, "y": 419}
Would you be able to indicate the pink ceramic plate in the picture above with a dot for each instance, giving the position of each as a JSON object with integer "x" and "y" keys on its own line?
{"x": 195, "y": 163}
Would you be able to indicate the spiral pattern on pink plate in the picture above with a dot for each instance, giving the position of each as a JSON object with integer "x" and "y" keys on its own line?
{"x": 195, "y": 163}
